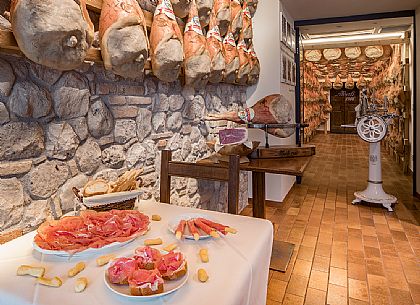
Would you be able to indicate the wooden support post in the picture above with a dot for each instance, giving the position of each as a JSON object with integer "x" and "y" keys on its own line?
{"x": 258, "y": 194}
{"x": 165, "y": 179}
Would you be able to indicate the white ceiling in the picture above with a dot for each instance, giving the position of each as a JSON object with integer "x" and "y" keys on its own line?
{"x": 309, "y": 9}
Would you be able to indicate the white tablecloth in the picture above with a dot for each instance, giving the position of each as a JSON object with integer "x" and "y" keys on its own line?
{"x": 238, "y": 266}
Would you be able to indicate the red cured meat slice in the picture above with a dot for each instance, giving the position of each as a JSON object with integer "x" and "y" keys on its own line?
{"x": 91, "y": 230}
{"x": 147, "y": 257}
{"x": 233, "y": 136}
{"x": 143, "y": 276}
{"x": 219, "y": 227}
{"x": 121, "y": 269}
{"x": 170, "y": 262}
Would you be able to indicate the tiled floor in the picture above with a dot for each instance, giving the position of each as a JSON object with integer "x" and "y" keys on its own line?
{"x": 346, "y": 254}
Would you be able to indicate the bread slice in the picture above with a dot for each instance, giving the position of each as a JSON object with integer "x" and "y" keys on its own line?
{"x": 145, "y": 291}
{"x": 95, "y": 187}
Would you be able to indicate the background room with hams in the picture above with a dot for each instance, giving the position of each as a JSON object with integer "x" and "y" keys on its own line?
{"x": 94, "y": 92}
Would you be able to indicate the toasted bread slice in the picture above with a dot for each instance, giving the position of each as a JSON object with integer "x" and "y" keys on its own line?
{"x": 95, "y": 187}
{"x": 146, "y": 290}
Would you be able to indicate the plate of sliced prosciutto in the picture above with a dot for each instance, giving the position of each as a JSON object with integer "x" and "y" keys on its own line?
{"x": 197, "y": 226}
{"x": 147, "y": 274}
{"x": 90, "y": 233}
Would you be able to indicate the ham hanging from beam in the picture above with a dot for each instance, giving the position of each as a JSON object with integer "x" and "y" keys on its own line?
{"x": 231, "y": 56}
{"x": 246, "y": 22}
{"x": 215, "y": 48}
{"x": 166, "y": 50}
{"x": 244, "y": 64}
{"x": 53, "y": 33}
{"x": 197, "y": 59}
{"x": 272, "y": 109}
{"x": 236, "y": 18}
{"x": 221, "y": 9}
{"x": 254, "y": 73}
{"x": 252, "y": 5}
{"x": 204, "y": 11}
{"x": 123, "y": 36}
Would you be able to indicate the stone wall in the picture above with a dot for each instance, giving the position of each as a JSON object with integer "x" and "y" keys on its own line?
{"x": 59, "y": 129}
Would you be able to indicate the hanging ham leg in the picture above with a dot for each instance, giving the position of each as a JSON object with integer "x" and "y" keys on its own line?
{"x": 221, "y": 9}
{"x": 53, "y": 33}
{"x": 215, "y": 48}
{"x": 123, "y": 35}
{"x": 197, "y": 59}
{"x": 204, "y": 10}
{"x": 272, "y": 109}
{"x": 244, "y": 64}
{"x": 252, "y": 5}
{"x": 166, "y": 48}
{"x": 231, "y": 56}
{"x": 236, "y": 18}
{"x": 254, "y": 73}
{"x": 181, "y": 7}
{"x": 246, "y": 22}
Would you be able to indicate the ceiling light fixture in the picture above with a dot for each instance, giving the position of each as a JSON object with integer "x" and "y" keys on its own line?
{"x": 355, "y": 38}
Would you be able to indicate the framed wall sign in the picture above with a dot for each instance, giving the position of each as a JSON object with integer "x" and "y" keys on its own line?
{"x": 289, "y": 35}
{"x": 289, "y": 70}
{"x": 283, "y": 70}
{"x": 283, "y": 28}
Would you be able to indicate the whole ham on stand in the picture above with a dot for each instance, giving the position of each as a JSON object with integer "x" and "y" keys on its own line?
{"x": 197, "y": 59}
{"x": 53, "y": 33}
{"x": 166, "y": 50}
{"x": 273, "y": 113}
{"x": 215, "y": 48}
{"x": 123, "y": 35}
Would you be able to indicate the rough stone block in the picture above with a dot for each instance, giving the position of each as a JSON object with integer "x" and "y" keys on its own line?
{"x": 124, "y": 112}
{"x": 15, "y": 168}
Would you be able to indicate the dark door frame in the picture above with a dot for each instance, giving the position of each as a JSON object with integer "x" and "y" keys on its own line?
{"x": 407, "y": 13}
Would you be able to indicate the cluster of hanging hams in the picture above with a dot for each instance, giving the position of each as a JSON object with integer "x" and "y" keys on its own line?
{"x": 216, "y": 45}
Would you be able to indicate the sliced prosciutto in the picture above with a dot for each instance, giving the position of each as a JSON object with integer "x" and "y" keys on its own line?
{"x": 207, "y": 229}
{"x": 180, "y": 229}
{"x": 229, "y": 136}
{"x": 145, "y": 282}
{"x": 147, "y": 257}
{"x": 217, "y": 226}
{"x": 91, "y": 230}
{"x": 172, "y": 265}
{"x": 121, "y": 269}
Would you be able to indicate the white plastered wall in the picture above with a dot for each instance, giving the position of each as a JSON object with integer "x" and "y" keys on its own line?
{"x": 266, "y": 23}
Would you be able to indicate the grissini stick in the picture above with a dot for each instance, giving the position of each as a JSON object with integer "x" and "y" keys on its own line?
{"x": 30, "y": 270}
{"x": 180, "y": 229}
{"x": 207, "y": 229}
{"x": 81, "y": 284}
{"x": 193, "y": 229}
{"x": 80, "y": 266}
{"x": 53, "y": 282}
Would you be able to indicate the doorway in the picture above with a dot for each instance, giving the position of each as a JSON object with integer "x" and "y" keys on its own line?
{"x": 343, "y": 102}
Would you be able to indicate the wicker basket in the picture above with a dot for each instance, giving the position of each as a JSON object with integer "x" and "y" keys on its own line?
{"x": 114, "y": 201}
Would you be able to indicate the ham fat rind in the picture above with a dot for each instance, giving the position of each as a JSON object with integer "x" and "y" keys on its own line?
{"x": 204, "y": 11}
{"x": 244, "y": 64}
{"x": 197, "y": 59}
{"x": 215, "y": 48}
{"x": 231, "y": 56}
{"x": 53, "y": 33}
{"x": 166, "y": 50}
{"x": 272, "y": 109}
{"x": 221, "y": 9}
{"x": 123, "y": 34}
{"x": 236, "y": 18}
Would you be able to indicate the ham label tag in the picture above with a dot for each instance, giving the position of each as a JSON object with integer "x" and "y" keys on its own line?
{"x": 229, "y": 39}
{"x": 252, "y": 53}
{"x": 166, "y": 8}
{"x": 214, "y": 32}
{"x": 242, "y": 45}
{"x": 246, "y": 115}
{"x": 247, "y": 13}
{"x": 194, "y": 25}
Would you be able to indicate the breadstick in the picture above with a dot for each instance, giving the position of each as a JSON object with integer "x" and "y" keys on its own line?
{"x": 156, "y": 217}
{"x": 193, "y": 229}
{"x": 180, "y": 229}
{"x": 207, "y": 229}
{"x": 54, "y": 282}
{"x": 104, "y": 259}
{"x": 30, "y": 270}
{"x": 204, "y": 255}
{"x": 202, "y": 275}
{"x": 76, "y": 269}
{"x": 153, "y": 242}
{"x": 170, "y": 247}
{"x": 81, "y": 284}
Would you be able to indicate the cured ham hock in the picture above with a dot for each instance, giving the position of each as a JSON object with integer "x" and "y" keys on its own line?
{"x": 166, "y": 50}
{"x": 272, "y": 109}
{"x": 197, "y": 59}
{"x": 123, "y": 35}
{"x": 53, "y": 33}
{"x": 215, "y": 48}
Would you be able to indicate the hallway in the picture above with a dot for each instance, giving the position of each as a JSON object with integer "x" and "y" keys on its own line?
{"x": 346, "y": 254}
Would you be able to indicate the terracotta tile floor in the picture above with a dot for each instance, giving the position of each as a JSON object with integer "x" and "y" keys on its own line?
{"x": 346, "y": 254}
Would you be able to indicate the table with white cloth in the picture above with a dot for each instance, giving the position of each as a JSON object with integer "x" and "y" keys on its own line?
{"x": 238, "y": 266}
